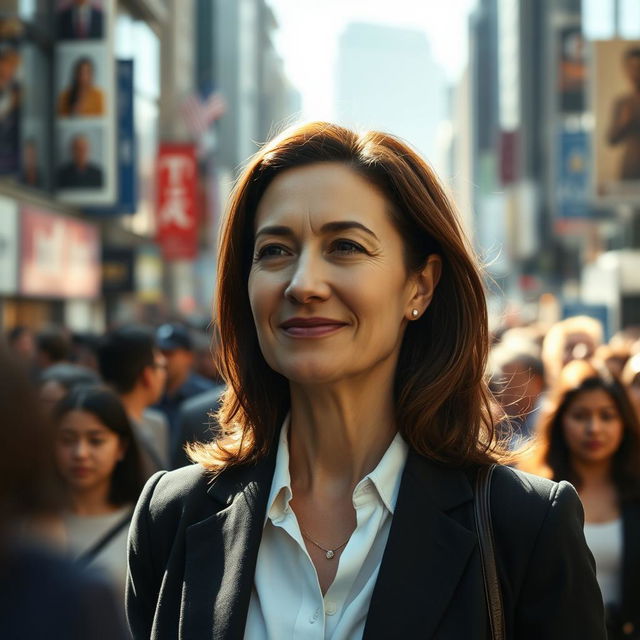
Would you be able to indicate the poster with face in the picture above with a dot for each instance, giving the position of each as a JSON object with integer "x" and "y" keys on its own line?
{"x": 616, "y": 106}
{"x": 11, "y": 31}
{"x": 85, "y": 105}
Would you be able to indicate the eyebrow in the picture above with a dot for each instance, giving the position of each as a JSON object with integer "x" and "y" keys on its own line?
{"x": 329, "y": 227}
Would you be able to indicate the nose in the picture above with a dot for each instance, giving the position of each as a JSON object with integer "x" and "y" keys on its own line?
{"x": 594, "y": 425}
{"x": 308, "y": 280}
{"x": 81, "y": 449}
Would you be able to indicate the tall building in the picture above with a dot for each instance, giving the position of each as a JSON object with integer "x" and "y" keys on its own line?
{"x": 387, "y": 79}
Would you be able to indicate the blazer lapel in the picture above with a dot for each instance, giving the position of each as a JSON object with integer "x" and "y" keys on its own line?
{"x": 631, "y": 557}
{"x": 221, "y": 554}
{"x": 426, "y": 553}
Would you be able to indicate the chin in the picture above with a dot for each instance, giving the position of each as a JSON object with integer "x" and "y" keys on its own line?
{"x": 311, "y": 372}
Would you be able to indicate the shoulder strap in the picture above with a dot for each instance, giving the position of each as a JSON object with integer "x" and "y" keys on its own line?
{"x": 493, "y": 594}
{"x": 86, "y": 557}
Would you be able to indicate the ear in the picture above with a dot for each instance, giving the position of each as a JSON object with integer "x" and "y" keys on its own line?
{"x": 425, "y": 283}
{"x": 147, "y": 376}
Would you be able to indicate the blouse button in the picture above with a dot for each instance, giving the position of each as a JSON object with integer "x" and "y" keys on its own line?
{"x": 628, "y": 628}
{"x": 330, "y": 608}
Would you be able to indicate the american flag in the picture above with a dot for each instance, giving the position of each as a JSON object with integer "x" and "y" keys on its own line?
{"x": 199, "y": 114}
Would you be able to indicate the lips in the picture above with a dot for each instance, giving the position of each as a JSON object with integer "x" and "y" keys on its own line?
{"x": 310, "y": 327}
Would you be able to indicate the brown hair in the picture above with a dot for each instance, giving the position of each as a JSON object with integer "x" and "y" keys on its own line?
{"x": 441, "y": 399}
{"x": 550, "y": 454}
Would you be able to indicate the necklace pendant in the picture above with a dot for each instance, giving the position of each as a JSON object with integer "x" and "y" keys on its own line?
{"x": 330, "y": 554}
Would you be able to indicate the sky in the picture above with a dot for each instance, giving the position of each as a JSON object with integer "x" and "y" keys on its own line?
{"x": 308, "y": 32}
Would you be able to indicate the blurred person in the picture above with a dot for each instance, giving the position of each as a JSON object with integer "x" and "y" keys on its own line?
{"x": 132, "y": 364}
{"x": 574, "y": 338}
{"x": 42, "y": 595}
{"x": 52, "y": 346}
{"x": 176, "y": 345}
{"x": 80, "y": 172}
{"x": 205, "y": 347}
{"x": 84, "y": 349}
{"x": 82, "y": 97}
{"x": 58, "y": 379}
{"x": 630, "y": 378}
{"x": 22, "y": 343}
{"x": 613, "y": 358}
{"x": 626, "y": 339}
{"x": 354, "y": 424}
{"x": 98, "y": 460}
{"x": 625, "y": 119}
{"x": 80, "y": 20}
{"x": 10, "y": 107}
{"x": 591, "y": 437}
{"x": 518, "y": 384}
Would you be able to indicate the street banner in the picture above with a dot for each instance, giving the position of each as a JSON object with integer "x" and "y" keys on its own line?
{"x": 59, "y": 256}
{"x": 118, "y": 270}
{"x": 615, "y": 91}
{"x": 572, "y": 175}
{"x": 177, "y": 196}
{"x": 8, "y": 246}
{"x": 572, "y": 69}
{"x": 85, "y": 102}
{"x": 126, "y": 153}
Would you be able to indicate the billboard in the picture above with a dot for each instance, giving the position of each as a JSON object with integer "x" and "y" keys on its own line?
{"x": 85, "y": 103}
{"x": 572, "y": 69}
{"x": 615, "y": 95}
{"x": 177, "y": 197}
{"x": 59, "y": 256}
{"x": 572, "y": 182}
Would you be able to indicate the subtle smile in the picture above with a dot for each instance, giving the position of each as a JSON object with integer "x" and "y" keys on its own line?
{"x": 310, "y": 327}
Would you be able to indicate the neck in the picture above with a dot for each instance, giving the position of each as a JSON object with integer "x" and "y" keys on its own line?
{"x": 91, "y": 502}
{"x": 339, "y": 432}
{"x": 134, "y": 403}
{"x": 177, "y": 382}
{"x": 593, "y": 474}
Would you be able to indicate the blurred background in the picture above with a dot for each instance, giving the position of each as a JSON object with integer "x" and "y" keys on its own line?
{"x": 121, "y": 133}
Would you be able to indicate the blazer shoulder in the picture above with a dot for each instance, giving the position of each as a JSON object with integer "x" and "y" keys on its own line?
{"x": 525, "y": 500}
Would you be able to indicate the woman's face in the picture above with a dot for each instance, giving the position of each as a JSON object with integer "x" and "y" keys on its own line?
{"x": 328, "y": 287}
{"x": 85, "y": 75}
{"x": 592, "y": 427}
{"x": 86, "y": 451}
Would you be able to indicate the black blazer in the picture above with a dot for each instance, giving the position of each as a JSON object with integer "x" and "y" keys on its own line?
{"x": 194, "y": 545}
{"x": 625, "y": 621}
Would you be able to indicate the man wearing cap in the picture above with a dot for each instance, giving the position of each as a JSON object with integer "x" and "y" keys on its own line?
{"x": 182, "y": 383}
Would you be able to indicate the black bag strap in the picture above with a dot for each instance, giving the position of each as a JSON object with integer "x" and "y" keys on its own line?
{"x": 86, "y": 557}
{"x": 493, "y": 593}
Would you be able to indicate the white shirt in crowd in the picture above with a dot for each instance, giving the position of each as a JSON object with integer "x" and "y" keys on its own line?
{"x": 605, "y": 541}
{"x": 286, "y": 600}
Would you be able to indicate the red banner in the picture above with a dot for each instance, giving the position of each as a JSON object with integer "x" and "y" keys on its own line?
{"x": 60, "y": 256}
{"x": 177, "y": 201}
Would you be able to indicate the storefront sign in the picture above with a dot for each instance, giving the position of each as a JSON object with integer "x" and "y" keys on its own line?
{"x": 8, "y": 246}
{"x": 59, "y": 256}
{"x": 118, "y": 265}
{"x": 572, "y": 186}
{"x": 177, "y": 202}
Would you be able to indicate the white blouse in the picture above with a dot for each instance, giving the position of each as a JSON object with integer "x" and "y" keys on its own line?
{"x": 286, "y": 600}
{"x": 605, "y": 541}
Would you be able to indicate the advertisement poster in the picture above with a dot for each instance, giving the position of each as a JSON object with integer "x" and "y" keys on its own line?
{"x": 573, "y": 189}
{"x": 615, "y": 94}
{"x": 572, "y": 69}
{"x": 85, "y": 102}
{"x": 11, "y": 90}
{"x": 59, "y": 256}
{"x": 177, "y": 197}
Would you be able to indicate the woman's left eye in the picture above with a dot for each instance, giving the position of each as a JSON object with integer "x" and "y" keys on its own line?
{"x": 346, "y": 247}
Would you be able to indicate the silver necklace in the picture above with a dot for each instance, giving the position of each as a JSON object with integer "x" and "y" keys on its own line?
{"x": 329, "y": 553}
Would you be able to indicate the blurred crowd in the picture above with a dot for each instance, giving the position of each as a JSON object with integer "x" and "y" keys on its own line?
{"x": 89, "y": 418}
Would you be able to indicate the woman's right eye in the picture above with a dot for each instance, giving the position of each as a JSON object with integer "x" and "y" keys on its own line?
{"x": 271, "y": 251}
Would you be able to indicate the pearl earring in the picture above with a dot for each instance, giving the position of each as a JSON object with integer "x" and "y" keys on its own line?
{"x": 414, "y": 313}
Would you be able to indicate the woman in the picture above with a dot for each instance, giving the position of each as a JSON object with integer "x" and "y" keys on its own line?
{"x": 338, "y": 502}
{"x": 82, "y": 97}
{"x": 591, "y": 437}
{"x": 97, "y": 458}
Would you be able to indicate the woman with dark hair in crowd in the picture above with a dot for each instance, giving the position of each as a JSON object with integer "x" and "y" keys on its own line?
{"x": 42, "y": 595}
{"x": 339, "y": 501}
{"x": 590, "y": 436}
{"x": 82, "y": 97}
{"x": 98, "y": 460}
